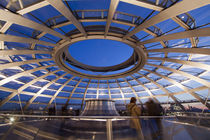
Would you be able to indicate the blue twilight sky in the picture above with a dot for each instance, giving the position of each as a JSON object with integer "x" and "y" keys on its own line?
{"x": 100, "y": 52}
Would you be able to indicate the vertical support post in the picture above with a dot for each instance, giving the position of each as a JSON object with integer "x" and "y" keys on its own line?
{"x": 133, "y": 21}
{"x": 20, "y": 103}
{"x": 21, "y": 4}
{"x": 102, "y": 14}
{"x": 109, "y": 129}
{"x": 206, "y": 99}
{"x": 55, "y": 107}
{"x": 1, "y": 45}
{"x": 157, "y": 2}
{"x": 83, "y": 15}
{"x": 115, "y": 16}
{"x": 97, "y": 94}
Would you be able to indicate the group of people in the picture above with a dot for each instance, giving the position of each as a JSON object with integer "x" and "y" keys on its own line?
{"x": 152, "y": 109}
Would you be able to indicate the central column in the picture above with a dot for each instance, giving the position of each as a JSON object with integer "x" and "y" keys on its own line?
{"x": 100, "y": 107}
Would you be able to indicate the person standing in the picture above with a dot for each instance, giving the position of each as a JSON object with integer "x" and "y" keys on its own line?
{"x": 135, "y": 111}
{"x": 155, "y": 109}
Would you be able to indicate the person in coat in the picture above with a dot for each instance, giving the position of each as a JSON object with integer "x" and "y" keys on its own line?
{"x": 135, "y": 111}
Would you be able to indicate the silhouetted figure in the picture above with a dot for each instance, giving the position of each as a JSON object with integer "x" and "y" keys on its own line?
{"x": 135, "y": 111}
{"x": 64, "y": 112}
{"x": 155, "y": 109}
{"x": 51, "y": 111}
{"x": 77, "y": 112}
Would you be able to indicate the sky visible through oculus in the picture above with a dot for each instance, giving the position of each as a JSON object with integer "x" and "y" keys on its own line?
{"x": 100, "y": 52}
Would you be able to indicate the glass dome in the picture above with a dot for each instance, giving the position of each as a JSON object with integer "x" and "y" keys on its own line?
{"x": 170, "y": 62}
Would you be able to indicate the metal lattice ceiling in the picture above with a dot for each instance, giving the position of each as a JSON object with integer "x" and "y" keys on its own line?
{"x": 176, "y": 67}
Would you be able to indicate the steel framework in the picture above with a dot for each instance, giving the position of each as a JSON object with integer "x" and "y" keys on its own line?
{"x": 47, "y": 53}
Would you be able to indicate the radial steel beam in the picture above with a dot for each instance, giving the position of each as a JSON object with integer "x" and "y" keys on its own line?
{"x": 20, "y": 20}
{"x": 144, "y": 4}
{"x": 133, "y": 90}
{"x": 204, "y": 82}
{"x": 186, "y": 34}
{"x": 32, "y": 7}
{"x": 186, "y": 90}
{"x": 85, "y": 95}
{"x": 41, "y": 90}
{"x": 69, "y": 98}
{"x": 22, "y": 12}
{"x": 146, "y": 89}
{"x": 7, "y": 65}
{"x": 110, "y": 97}
{"x": 29, "y": 93}
{"x": 182, "y": 50}
{"x": 57, "y": 92}
{"x": 190, "y": 63}
{"x": 37, "y": 37}
{"x": 122, "y": 94}
{"x": 14, "y": 93}
{"x": 4, "y": 81}
{"x": 155, "y": 35}
{"x": 22, "y": 52}
{"x": 165, "y": 90}
{"x": 112, "y": 20}
{"x": 60, "y": 6}
{"x": 97, "y": 90}
{"x": 112, "y": 9}
{"x": 186, "y": 27}
{"x": 1, "y": 45}
{"x": 5, "y": 27}
{"x": 11, "y": 38}
{"x": 176, "y": 9}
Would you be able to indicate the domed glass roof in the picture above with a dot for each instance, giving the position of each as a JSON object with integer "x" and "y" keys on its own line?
{"x": 170, "y": 61}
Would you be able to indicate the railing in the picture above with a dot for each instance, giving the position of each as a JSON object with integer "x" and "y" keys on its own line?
{"x": 103, "y": 127}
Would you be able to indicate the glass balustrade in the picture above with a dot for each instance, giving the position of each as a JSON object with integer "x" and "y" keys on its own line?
{"x": 184, "y": 126}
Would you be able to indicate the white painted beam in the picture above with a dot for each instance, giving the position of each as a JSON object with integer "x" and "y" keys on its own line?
{"x": 14, "y": 93}
{"x": 20, "y": 20}
{"x": 182, "y": 50}
{"x": 186, "y": 34}
{"x": 144, "y": 4}
{"x": 57, "y": 92}
{"x": 112, "y": 9}
{"x": 11, "y": 38}
{"x": 60, "y": 6}
{"x": 22, "y": 52}
{"x": 8, "y": 79}
{"x": 32, "y": 7}
{"x": 13, "y": 64}
{"x": 186, "y": 90}
{"x": 41, "y": 90}
{"x": 190, "y": 63}
{"x": 204, "y": 82}
{"x": 176, "y": 9}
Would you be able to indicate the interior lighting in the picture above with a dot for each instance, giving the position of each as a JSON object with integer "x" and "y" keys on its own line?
{"x": 12, "y": 119}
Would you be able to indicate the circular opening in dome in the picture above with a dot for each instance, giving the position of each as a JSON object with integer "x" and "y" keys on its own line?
{"x": 130, "y": 58}
{"x": 100, "y": 52}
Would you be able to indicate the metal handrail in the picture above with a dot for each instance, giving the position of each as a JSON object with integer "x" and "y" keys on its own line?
{"x": 101, "y": 117}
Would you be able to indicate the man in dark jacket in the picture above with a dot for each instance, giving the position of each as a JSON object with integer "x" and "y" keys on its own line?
{"x": 155, "y": 109}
